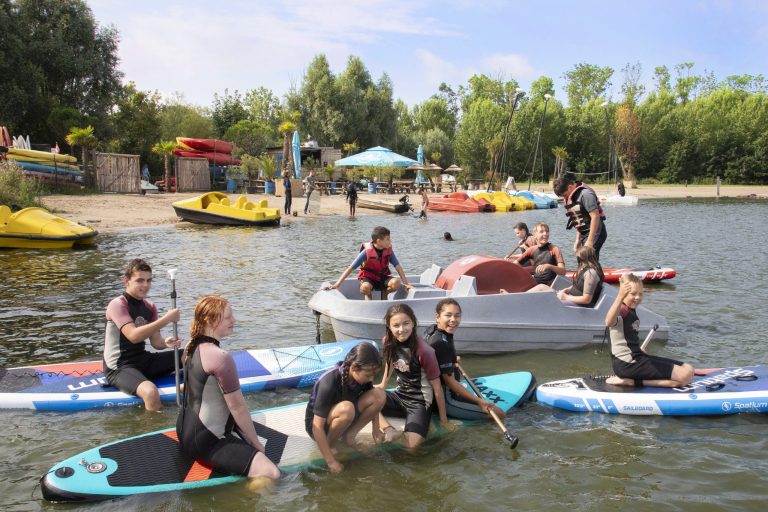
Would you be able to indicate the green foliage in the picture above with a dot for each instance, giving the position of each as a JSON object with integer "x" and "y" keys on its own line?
{"x": 227, "y": 111}
{"x": 587, "y": 82}
{"x": 179, "y": 119}
{"x": 268, "y": 166}
{"x": 478, "y": 127}
{"x": 135, "y": 122}
{"x": 18, "y": 189}
{"x": 251, "y": 137}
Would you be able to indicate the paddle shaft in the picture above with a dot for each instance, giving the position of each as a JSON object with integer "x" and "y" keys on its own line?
{"x": 648, "y": 338}
{"x": 513, "y": 439}
{"x": 176, "y": 364}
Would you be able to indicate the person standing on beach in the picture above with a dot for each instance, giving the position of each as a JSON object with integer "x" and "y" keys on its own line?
{"x": 310, "y": 182}
{"x": 584, "y": 213}
{"x": 131, "y": 320}
{"x": 288, "y": 193}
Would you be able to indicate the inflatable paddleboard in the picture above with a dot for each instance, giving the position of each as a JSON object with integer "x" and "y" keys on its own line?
{"x": 612, "y": 275}
{"x": 716, "y": 391}
{"x": 155, "y": 463}
{"x": 80, "y": 386}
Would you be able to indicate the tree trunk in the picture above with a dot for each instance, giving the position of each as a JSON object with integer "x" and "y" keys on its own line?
{"x": 167, "y": 174}
{"x": 287, "y": 154}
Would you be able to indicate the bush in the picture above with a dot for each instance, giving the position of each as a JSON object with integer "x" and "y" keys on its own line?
{"x": 18, "y": 189}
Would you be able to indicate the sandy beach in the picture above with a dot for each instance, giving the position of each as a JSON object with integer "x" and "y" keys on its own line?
{"x": 107, "y": 212}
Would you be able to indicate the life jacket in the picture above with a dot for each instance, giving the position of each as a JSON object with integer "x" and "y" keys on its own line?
{"x": 373, "y": 267}
{"x": 578, "y": 216}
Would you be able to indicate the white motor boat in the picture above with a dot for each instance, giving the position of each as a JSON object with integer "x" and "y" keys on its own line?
{"x": 492, "y": 321}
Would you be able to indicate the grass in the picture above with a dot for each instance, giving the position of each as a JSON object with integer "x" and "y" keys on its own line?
{"x": 18, "y": 190}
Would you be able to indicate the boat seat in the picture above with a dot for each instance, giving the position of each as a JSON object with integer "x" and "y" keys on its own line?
{"x": 5, "y": 214}
{"x": 241, "y": 201}
{"x": 430, "y": 275}
{"x": 465, "y": 286}
{"x": 224, "y": 201}
{"x": 425, "y": 293}
{"x": 263, "y": 203}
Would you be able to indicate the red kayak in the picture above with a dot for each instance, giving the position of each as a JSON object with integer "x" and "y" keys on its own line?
{"x": 211, "y": 145}
{"x": 612, "y": 275}
{"x": 459, "y": 202}
{"x": 213, "y": 158}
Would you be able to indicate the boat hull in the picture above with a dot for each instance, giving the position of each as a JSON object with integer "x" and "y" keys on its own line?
{"x": 392, "y": 207}
{"x": 214, "y": 208}
{"x": 36, "y": 228}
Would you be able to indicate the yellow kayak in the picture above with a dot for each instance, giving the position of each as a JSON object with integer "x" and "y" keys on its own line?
{"x": 49, "y": 163}
{"x": 37, "y": 228}
{"x": 215, "y": 208}
{"x": 42, "y": 155}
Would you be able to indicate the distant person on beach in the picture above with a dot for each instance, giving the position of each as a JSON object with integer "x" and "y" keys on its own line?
{"x": 418, "y": 391}
{"x": 131, "y": 320}
{"x": 440, "y": 337}
{"x": 546, "y": 259}
{"x": 374, "y": 260}
{"x": 310, "y": 183}
{"x": 352, "y": 197}
{"x": 145, "y": 173}
{"x": 584, "y": 213}
{"x": 288, "y": 192}
{"x": 343, "y": 401}
{"x": 527, "y": 240}
{"x": 587, "y": 282}
{"x": 632, "y": 365}
{"x": 424, "y": 203}
{"x": 214, "y": 424}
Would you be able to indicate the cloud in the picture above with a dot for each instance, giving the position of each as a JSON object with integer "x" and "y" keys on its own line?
{"x": 510, "y": 65}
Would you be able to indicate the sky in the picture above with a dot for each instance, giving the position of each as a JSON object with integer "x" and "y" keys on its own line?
{"x": 200, "y": 48}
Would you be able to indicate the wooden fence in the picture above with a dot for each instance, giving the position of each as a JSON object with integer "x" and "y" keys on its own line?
{"x": 117, "y": 173}
{"x": 192, "y": 174}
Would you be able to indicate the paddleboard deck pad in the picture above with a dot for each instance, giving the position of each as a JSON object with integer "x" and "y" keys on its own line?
{"x": 154, "y": 462}
{"x": 712, "y": 391}
{"x": 82, "y": 385}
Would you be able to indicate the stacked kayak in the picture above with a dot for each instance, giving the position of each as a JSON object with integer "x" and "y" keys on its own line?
{"x": 499, "y": 200}
{"x": 713, "y": 391}
{"x": 82, "y": 385}
{"x": 43, "y": 163}
{"x": 37, "y": 228}
{"x": 540, "y": 201}
{"x": 655, "y": 274}
{"x": 459, "y": 202}
{"x": 154, "y": 462}
{"x": 217, "y": 152}
{"x": 215, "y": 208}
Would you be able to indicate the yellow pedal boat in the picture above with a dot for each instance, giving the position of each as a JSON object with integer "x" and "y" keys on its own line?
{"x": 37, "y": 228}
{"x": 215, "y": 208}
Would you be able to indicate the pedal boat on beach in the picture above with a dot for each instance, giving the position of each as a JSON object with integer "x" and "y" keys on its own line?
{"x": 214, "y": 208}
{"x": 492, "y": 321}
{"x": 37, "y": 228}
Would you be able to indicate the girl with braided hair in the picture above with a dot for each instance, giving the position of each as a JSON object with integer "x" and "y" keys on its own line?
{"x": 343, "y": 401}
{"x": 214, "y": 425}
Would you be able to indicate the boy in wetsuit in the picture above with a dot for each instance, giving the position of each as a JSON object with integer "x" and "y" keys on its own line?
{"x": 131, "y": 320}
{"x": 374, "y": 259}
{"x": 546, "y": 258}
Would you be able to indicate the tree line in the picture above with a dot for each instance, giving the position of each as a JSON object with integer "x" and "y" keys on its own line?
{"x": 59, "y": 71}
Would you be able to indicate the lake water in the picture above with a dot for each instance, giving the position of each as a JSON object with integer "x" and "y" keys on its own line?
{"x": 51, "y": 310}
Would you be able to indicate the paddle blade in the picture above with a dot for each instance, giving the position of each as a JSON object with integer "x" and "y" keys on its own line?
{"x": 513, "y": 439}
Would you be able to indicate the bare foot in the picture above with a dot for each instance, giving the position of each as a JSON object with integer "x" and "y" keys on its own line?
{"x": 260, "y": 484}
{"x": 391, "y": 433}
{"x": 618, "y": 381}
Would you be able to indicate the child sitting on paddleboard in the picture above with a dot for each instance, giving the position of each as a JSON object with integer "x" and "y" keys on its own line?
{"x": 546, "y": 260}
{"x": 373, "y": 260}
{"x": 633, "y": 367}
{"x": 343, "y": 401}
{"x": 587, "y": 282}
{"x": 131, "y": 320}
{"x": 214, "y": 424}
{"x": 418, "y": 378}
{"x": 460, "y": 402}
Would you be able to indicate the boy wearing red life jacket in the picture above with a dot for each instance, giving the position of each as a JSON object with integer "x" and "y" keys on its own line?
{"x": 374, "y": 260}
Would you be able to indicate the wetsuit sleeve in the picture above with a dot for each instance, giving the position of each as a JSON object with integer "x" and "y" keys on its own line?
{"x": 623, "y": 310}
{"x": 359, "y": 260}
{"x": 591, "y": 280}
{"x": 117, "y": 312}
{"x": 428, "y": 360}
{"x": 526, "y": 256}
{"x": 220, "y": 364}
{"x": 558, "y": 254}
{"x": 326, "y": 395}
{"x": 393, "y": 260}
{"x": 152, "y": 308}
{"x": 444, "y": 356}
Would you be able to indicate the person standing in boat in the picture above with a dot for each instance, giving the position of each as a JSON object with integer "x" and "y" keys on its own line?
{"x": 459, "y": 401}
{"x": 214, "y": 424}
{"x": 584, "y": 213}
{"x": 526, "y": 240}
{"x": 131, "y": 320}
{"x": 632, "y": 365}
{"x": 587, "y": 281}
{"x": 288, "y": 192}
{"x": 546, "y": 259}
{"x": 310, "y": 183}
{"x": 374, "y": 260}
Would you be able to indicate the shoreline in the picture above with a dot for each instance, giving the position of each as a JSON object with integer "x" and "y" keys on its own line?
{"x": 112, "y": 212}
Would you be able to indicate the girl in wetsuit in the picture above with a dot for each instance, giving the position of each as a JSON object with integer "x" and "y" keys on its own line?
{"x": 633, "y": 367}
{"x": 459, "y": 401}
{"x": 418, "y": 378}
{"x": 526, "y": 240}
{"x": 343, "y": 401}
{"x": 214, "y": 425}
{"x": 587, "y": 282}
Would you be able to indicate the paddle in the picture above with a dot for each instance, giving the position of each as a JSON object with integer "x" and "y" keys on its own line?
{"x": 509, "y": 436}
{"x": 648, "y": 338}
{"x": 172, "y": 275}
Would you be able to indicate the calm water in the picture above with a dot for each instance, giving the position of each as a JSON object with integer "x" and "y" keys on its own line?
{"x": 51, "y": 309}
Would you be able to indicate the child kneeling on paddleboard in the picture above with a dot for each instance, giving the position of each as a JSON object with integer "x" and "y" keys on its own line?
{"x": 343, "y": 401}
{"x": 459, "y": 401}
{"x": 214, "y": 424}
{"x": 418, "y": 378}
{"x": 632, "y": 365}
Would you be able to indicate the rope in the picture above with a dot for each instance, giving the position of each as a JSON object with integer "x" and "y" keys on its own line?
{"x": 275, "y": 352}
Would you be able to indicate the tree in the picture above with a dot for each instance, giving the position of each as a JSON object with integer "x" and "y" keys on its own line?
{"x": 179, "y": 119}
{"x": 587, "y": 82}
{"x": 251, "y": 137}
{"x": 663, "y": 80}
{"x": 135, "y": 122}
{"x": 434, "y": 113}
{"x": 632, "y": 89}
{"x": 84, "y": 138}
{"x": 165, "y": 149}
{"x": 627, "y": 138}
{"x": 478, "y": 127}
{"x": 263, "y": 106}
{"x": 227, "y": 111}
{"x": 317, "y": 101}
{"x": 685, "y": 84}
{"x": 286, "y": 129}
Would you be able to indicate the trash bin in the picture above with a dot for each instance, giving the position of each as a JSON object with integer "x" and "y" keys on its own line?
{"x": 269, "y": 187}
{"x": 231, "y": 186}
{"x": 372, "y": 187}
